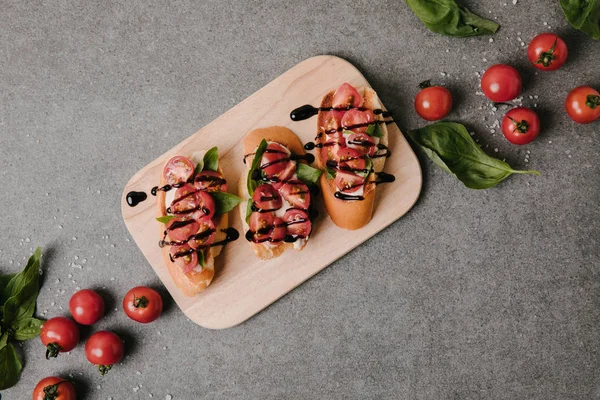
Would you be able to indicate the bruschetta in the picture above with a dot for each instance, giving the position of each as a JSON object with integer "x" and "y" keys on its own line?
{"x": 192, "y": 206}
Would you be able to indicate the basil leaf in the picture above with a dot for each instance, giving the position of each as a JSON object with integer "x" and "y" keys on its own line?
{"x": 451, "y": 147}
{"x": 28, "y": 328}
{"x": 225, "y": 202}
{"x": 165, "y": 219}
{"x": 3, "y": 339}
{"x": 448, "y": 18}
{"x": 211, "y": 159}
{"x": 24, "y": 288}
{"x": 248, "y": 210}
{"x": 18, "y": 281}
{"x": 10, "y": 367}
{"x": 375, "y": 130}
{"x": 199, "y": 167}
{"x": 330, "y": 173}
{"x": 583, "y": 15}
{"x": 201, "y": 258}
{"x": 251, "y": 183}
{"x": 308, "y": 174}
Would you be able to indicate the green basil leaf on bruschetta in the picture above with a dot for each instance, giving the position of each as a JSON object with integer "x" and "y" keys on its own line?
{"x": 260, "y": 150}
{"x": 201, "y": 261}
{"x": 211, "y": 159}
{"x": 330, "y": 173}
{"x": 224, "y": 202}
{"x": 165, "y": 219}
{"x": 308, "y": 174}
{"x": 248, "y": 210}
{"x": 375, "y": 130}
{"x": 199, "y": 167}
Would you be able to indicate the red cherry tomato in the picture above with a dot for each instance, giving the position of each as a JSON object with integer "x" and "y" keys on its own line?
{"x": 298, "y": 223}
{"x": 185, "y": 200}
{"x": 59, "y": 334}
{"x": 178, "y": 169}
{"x": 501, "y": 83}
{"x": 331, "y": 146}
{"x": 547, "y": 51}
{"x": 346, "y": 96}
{"x": 520, "y": 125}
{"x": 433, "y": 103}
{"x": 351, "y": 159}
{"x": 353, "y": 118}
{"x": 104, "y": 349}
{"x": 143, "y": 304}
{"x": 266, "y": 198}
{"x": 332, "y": 121}
{"x": 279, "y": 231}
{"x": 261, "y": 225}
{"x": 179, "y": 229}
{"x": 276, "y": 163}
{"x": 296, "y": 193}
{"x": 210, "y": 181}
{"x": 362, "y": 142}
{"x": 348, "y": 181}
{"x": 86, "y": 306}
{"x": 205, "y": 234}
{"x": 583, "y": 104}
{"x": 184, "y": 257}
{"x": 54, "y": 388}
{"x": 206, "y": 203}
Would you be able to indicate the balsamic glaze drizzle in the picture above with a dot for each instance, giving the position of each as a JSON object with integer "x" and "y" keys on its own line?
{"x": 306, "y": 111}
{"x": 135, "y": 198}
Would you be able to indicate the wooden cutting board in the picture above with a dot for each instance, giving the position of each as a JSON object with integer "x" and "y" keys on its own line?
{"x": 243, "y": 284}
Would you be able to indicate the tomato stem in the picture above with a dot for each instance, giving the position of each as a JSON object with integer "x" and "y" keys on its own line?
{"x": 140, "y": 302}
{"x": 425, "y": 84}
{"x": 546, "y": 57}
{"x": 521, "y": 127}
{"x": 51, "y": 391}
{"x": 52, "y": 350}
{"x": 104, "y": 369}
{"x": 592, "y": 101}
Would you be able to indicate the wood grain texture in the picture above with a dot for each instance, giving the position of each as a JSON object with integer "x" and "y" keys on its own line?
{"x": 244, "y": 285}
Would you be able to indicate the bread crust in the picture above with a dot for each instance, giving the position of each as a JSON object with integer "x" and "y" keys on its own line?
{"x": 193, "y": 282}
{"x": 281, "y": 135}
{"x": 351, "y": 214}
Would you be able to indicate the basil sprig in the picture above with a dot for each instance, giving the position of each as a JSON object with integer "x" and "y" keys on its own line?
{"x": 211, "y": 160}
{"x": 18, "y": 296}
{"x": 165, "y": 219}
{"x": 450, "y": 146}
{"x": 448, "y": 18}
{"x": 308, "y": 174}
{"x": 375, "y": 130}
{"x": 248, "y": 210}
{"x": 224, "y": 202}
{"x": 583, "y": 15}
{"x": 252, "y": 183}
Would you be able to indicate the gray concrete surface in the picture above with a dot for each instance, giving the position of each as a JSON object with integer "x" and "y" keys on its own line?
{"x": 472, "y": 295}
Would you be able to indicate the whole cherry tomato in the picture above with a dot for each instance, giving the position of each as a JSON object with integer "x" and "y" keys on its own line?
{"x": 142, "y": 304}
{"x": 501, "y": 82}
{"x": 54, "y": 388}
{"x": 547, "y": 51}
{"x": 59, "y": 334}
{"x": 86, "y": 307}
{"x": 520, "y": 125}
{"x": 433, "y": 102}
{"x": 104, "y": 349}
{"x": 583, "y": 104}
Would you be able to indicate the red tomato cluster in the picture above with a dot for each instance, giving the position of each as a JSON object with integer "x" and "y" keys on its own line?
{"x": 501, "y": 83}
{"x": 103, "y": 348}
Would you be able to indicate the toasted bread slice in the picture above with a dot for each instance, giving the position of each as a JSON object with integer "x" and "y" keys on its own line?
{"x": 193, "y": 282}
{"x": 351, "y": 214}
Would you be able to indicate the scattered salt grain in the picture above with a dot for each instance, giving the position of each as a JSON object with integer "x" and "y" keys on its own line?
{"x": 169, "y": 397}
{"x": 514, "y": 2}
{"x": 496, "y": 149}
{"x": 74, "y": 238}
{"x": 138, "y": 372}
{"x": 549, "y": 141}
{"x": 112, "y": 278}
{"x": 442, "y": 73}
{"x": 491, "y": 40}
{"x": 545, "y": 23}
{"x": 135, "y": 389}
{"x": 522, "y": 44}
{"x": 52, "y": 304}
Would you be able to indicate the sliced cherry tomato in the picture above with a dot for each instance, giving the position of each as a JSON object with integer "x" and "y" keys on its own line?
{"x": 206, "y": 203}
{"x": 279, "y": 231}
{"x": 298, "y": 223}
{"x": 346, "y": 96}
{"x": 547, "y": 51}
{"x": 178, "y": 169}
{"x": 332, "y": 121}
{"x": 501, "y": 82}
{"x": 59, "y": 335}
{"x": 266, "y": 198}
{"x": 104, "y": 349}
{"x": 143, "y": 304}
{"x": 205, "y": 234}
{"x": 296, "y": 193}
{"x": 210, "y": 181}
{"x": 185, "y": 200}
{"x": 276, "y": 163}
{"x": 179, "y": 229}
{"x": 54, "y": 388}
{"x": 354, "y": 118}
{"x": 348, "y": 182}
{"x": 583, "y": 104}
{"x": 362, "y": 142}
{"x": 261, "y": 225}
{"x": 184, "y": 257}
{"x": 86, "y": 306}
{"x": 433, "y": 103}
{"x": 520, "y": 125}
{"x": 330, "y": 151}
{"x": 351, "y": 159}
